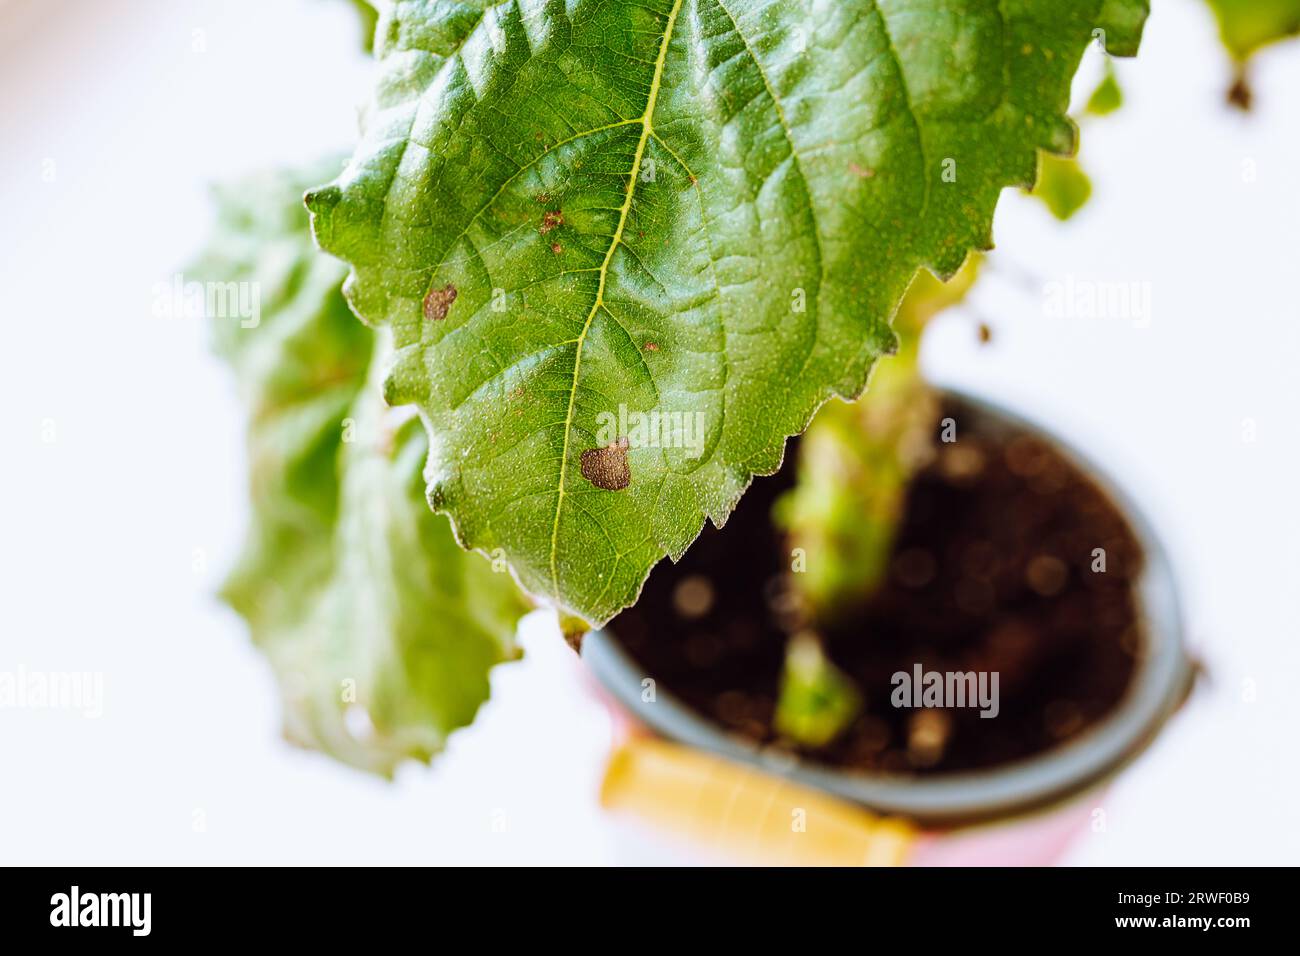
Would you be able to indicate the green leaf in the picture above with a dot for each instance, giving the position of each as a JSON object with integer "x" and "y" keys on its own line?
{"x": 1108, "y": 96}
{"x": 381, "y": 630}
{"x": 704, "y": 209}
{"x": 369, "y": 17}
{"x": 1247, "y": 25}
{"x": 1062, "y": 185}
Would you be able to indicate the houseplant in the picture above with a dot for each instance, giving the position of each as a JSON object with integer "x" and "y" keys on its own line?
{"x": 756, "y": 187}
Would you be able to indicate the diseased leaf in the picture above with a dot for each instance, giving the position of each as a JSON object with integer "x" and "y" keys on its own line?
{"x": 381, "y": 630}
{"x": 686, "y": 219}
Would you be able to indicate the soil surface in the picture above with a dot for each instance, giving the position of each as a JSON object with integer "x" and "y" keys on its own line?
{"x": 993, "y": 570}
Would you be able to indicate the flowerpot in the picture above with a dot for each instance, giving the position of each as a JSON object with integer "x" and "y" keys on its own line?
{"x": 734, "y": 796}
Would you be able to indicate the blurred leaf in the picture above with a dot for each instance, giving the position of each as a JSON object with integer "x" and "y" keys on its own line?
{"x": 381, "y": 630}
{"x": 1107, "y": 97}
{"x": 369, "y": 16}
{"x": 708, "y": 211}
{"x": 1062, "y": 185}
{"x": 1247, "y": 25}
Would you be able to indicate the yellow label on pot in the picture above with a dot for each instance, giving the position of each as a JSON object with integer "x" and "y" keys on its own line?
{"x": 728, "y": 808}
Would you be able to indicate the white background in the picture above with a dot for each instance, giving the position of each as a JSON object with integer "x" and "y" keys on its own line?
{"x": 138, "y": 104}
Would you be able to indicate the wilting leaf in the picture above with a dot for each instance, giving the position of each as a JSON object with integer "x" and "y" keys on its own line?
{"x": 380, "y": 629}
{"x": 705, "y": 209}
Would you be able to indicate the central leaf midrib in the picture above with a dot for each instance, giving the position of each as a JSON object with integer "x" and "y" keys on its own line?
{"x": 646, "y": 128}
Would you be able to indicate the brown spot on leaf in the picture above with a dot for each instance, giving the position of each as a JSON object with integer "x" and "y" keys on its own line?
{"x": 607, "y": 467}
{"x": 861, "y": 172}
{"x": 552, "y": 219}
{"x": 1240, "y": 93}
{"x": 557, "y": 248}
{"x": 438, "y": 302}
{"x": 543, "y": 199}
{"x": 652, "y": 346}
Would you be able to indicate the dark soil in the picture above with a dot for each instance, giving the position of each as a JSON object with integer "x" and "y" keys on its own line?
{"x": 992, "y": 571}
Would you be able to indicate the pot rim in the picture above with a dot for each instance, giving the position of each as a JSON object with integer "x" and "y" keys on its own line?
{"x": 1161, "y": 682}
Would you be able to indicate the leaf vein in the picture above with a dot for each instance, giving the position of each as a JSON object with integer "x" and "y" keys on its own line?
{"x": 651, "y": 99}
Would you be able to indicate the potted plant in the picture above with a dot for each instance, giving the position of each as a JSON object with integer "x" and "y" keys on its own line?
{"x": 613, "y": 257}
{"x": 968, "y": 708}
